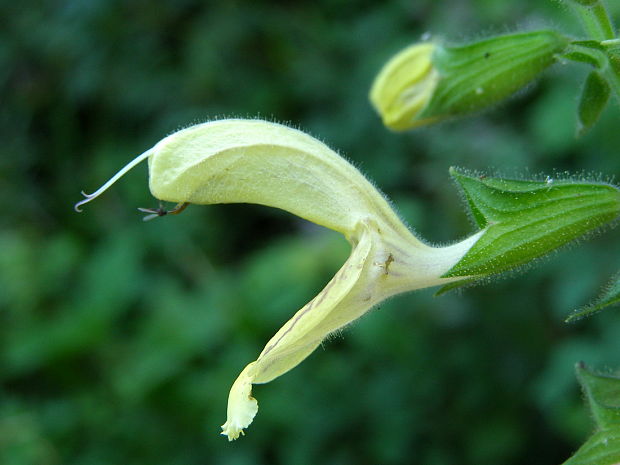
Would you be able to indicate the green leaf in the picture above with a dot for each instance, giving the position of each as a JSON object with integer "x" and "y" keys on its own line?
{"x": 581, "y": 56}
{"x": 524, "y": 220}
{"x": 603, "y": 395}
{"x": 594, "y": 98}
{"x": 604, "y": 58}
{"x": 610, "y": 296}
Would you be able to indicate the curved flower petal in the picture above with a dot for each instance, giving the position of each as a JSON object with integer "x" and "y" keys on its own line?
{"x": 299, "y": 336}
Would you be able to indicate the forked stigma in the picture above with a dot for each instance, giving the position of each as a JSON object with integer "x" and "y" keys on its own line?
{"x": 119, "y": 174}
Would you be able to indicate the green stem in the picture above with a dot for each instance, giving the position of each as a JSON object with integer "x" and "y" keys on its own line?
{"x": 603, "y": 21}
{"x": 611, "y": 44}
{"x": 595, "y": 18}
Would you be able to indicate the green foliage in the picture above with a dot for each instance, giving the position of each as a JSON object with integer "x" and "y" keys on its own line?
{"x": 118, "y": 338}
{"x": 524, "y": 220}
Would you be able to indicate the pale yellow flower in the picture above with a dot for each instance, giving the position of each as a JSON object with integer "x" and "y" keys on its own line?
{"x": 253, "y": 161}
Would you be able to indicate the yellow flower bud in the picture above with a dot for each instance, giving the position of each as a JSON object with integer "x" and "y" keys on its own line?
{"x": 404, "y": 86}
{"x": 426, "y": 83}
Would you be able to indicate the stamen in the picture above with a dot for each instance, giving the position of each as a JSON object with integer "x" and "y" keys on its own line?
{"x": 154, "y": 212}
{"x": 161, "y": 211}
{"x": 178, "y": 208}
{"x": 119, "y": 174}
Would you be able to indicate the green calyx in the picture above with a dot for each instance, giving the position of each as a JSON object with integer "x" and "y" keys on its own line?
{"x": 602, "y": 391}
{"x": 524, "y": 220}
{"x": 480, "y": 74}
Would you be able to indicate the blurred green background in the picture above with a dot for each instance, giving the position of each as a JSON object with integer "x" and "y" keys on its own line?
{"x": 119, "y": 339}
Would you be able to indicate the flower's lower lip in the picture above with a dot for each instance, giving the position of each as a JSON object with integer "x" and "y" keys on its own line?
{"x": 382, "y": 263}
